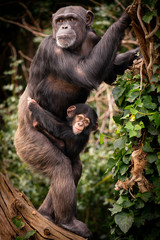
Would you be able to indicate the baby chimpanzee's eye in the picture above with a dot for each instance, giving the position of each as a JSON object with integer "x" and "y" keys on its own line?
{"x": 86, "y": 122}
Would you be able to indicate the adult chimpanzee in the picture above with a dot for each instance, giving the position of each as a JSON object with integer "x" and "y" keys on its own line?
{"x": 80, "y": 121}
{"x": 67, "y": 66}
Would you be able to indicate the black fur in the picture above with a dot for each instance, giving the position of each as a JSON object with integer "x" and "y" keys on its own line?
{"x": 59, "y": 78}
{"x": 73, "y": 144}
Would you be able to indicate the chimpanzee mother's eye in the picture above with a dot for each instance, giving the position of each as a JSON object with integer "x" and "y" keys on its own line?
{"x": 60, "y": 20}
{"x": 72, "y": 19}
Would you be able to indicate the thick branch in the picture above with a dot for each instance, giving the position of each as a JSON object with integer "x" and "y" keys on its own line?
{"x": 12, "y": 204}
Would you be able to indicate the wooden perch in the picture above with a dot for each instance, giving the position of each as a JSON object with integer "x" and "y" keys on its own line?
{"x": 15, "y": 204}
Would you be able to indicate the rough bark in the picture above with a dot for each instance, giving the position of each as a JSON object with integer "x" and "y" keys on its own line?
{"x": 15, "y": 204}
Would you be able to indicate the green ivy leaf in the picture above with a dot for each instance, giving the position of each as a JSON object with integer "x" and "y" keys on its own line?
{"x": 123, "y": 169}
{"x": 159, "y": 138}
{"x": 155, "y": 68}
{"x": 152, "y": 129}
{"x": 144, "y": 196}
{"x": 147, "y": 147}
{"x": 125, "y": 202}
{"x": 132, "y": 96}
{"x": 158, "y": 165}
{"x": 124, "y": 221}
{"x": 120, "y": 143}
{"x": 158, "y": 34}
{"x": 18, "y": 222}
{"x": 152, "y": 157}
{"x": 126, "y": 159}
{"x": 132, "y": 133}
{"x": 117, "y": 92}
{"x": 101, "y": 138}
{"x": 29, "y": 234}
{"x": 148, "y": 103}
{"x": 129, "y": 126}
{"x": 158, "y": 87}
{"x": 111, "y": 163}
{"x": 129, "y": 106}
{"x": 149, "y": 15}
{"x": 139, "y": 103}
{"x": 20, "y": 238}
{"x": 137, "y": 127}
{"x": 133, "y": 111}
{"x": 156, "y": 118}
{"x": 116, "y": 208}
{"x": 154, "y": 79}
{"x": 117, "y": 119}
{"x": 139, "y": 204}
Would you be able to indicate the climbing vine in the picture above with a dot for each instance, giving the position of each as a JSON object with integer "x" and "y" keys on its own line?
{"x": 136, "y": 161}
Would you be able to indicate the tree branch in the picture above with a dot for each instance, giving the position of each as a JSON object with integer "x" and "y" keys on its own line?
{"x": 24, "y": 26}
{"x": 13, "y": 204}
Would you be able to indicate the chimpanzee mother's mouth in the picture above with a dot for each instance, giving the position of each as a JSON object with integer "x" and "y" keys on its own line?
{"x": 68, "y": 35}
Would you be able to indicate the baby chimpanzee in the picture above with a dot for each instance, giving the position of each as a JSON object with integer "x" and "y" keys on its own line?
{"x": 71, "y": 135}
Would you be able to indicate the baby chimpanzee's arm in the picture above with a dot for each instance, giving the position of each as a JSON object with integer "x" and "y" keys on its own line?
{"x": 47, "y": 121}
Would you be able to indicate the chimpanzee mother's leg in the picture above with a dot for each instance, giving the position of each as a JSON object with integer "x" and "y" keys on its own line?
{"x": 62, "y": 196}
{"x": 34, "y": 148}
{"x": 76, "y": 169}
{"x": 47, "y": 209}
{"x": 62, "y": 193}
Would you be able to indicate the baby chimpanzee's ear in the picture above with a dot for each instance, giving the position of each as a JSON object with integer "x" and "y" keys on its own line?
{"x": 70, "y": 111}
{"x": 94, "y": 127}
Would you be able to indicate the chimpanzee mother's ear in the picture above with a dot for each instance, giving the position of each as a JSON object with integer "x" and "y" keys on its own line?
{"x": 70, "y": 111}
{"x": 89, "y": 18}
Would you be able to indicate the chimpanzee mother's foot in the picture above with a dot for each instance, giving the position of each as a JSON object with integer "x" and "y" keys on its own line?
{"x": 77, "y": 227}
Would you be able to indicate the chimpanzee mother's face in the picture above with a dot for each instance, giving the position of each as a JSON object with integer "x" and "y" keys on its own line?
{"x": 70, "y": 28}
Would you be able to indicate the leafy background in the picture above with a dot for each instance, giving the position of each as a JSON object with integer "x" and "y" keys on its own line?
{"x": 109, "y": 213}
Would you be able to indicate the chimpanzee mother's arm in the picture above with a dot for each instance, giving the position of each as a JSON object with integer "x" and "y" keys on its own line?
{"x": 122, "y": 62}
{"x": 83, "y": 71}
{"x": 90, "y": 71}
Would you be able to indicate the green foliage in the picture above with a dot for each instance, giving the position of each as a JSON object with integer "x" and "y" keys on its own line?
{"x": 27, "y": 235}
{"x": 95, "y": 190}
{"x": 124, "y": 220}
{"x": 20, "y": 224}
{"x": 138, "y": 125}
{"x": 105, "y": 15}
{"x": 150, "y": 12}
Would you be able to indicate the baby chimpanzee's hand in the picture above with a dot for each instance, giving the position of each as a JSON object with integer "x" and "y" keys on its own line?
{"x": 31, "y": 103}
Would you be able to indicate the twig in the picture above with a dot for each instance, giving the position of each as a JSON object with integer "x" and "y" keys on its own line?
{"x": 110, "y": 106}
{"x": 30, "y": 15}
{"x": 155, "y": 29}
{"x": 24, "y": 56}
{"x": 14, "y": 54}
{"x": 150, "y": 65}
{"x": 23, "y": 26}
{"x": 139, "y": 18}
{"x": 130, "y": 42}
{"x": 120, "y": 4}
{"x": 96, "y": 3}
{"x": 141, "y": 74}
{"x": 13, "y": 49}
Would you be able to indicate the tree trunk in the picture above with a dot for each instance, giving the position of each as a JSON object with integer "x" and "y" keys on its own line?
{"x": 14, "y": 204}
